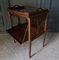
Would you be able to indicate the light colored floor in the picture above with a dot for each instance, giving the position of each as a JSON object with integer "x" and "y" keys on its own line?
{"x": 14, "y": 51}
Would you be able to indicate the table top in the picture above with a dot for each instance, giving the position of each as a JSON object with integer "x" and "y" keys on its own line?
{"x": 27, "y": 11}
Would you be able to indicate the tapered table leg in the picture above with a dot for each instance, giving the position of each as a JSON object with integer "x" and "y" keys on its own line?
{"x": 24, "y": 35}
{"x": 44, "y": 38}
{"x": 29, "y": 38}
{"x": 45, "y": 30}
{"x": 11, "y": 20}
{"x": 12, "y": 25}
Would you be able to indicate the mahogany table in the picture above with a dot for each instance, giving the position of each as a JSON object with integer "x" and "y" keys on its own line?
{"x": 28, "y": 13}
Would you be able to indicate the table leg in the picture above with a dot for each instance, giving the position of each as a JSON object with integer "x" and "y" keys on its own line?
{"x": 18, "y": 20}
{"x": 29, "y": 38}
{"x": 45, "y": 30}
{"x": 12, "y": 25}
{"x": 24, "y": 35}
{"x": 19, "y": 23}
{"x": 11, "y": 20}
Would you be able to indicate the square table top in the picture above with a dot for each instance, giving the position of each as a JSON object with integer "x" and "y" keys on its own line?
{"x": 26, "y": 11}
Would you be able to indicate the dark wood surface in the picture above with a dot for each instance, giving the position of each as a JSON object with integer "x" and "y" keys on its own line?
{"x": 33, "y": 28}
{"x": 17, "y": 32}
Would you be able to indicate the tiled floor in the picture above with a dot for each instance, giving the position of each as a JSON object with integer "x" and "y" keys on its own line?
{"x": 14, "y": 51}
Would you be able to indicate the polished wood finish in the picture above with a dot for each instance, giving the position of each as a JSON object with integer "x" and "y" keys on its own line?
{"x": 37, "y": 14}
{"x": 45, "y": 29}
{"x": 18, "y": 33}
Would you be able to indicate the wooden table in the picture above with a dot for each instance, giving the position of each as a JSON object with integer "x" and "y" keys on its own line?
{"x": 25, "y": 12}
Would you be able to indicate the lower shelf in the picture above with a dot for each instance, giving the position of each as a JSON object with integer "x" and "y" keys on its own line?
{"x": 18, "y": 32}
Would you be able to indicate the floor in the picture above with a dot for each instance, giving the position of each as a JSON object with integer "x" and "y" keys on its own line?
{"x": 14, "y": 51}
